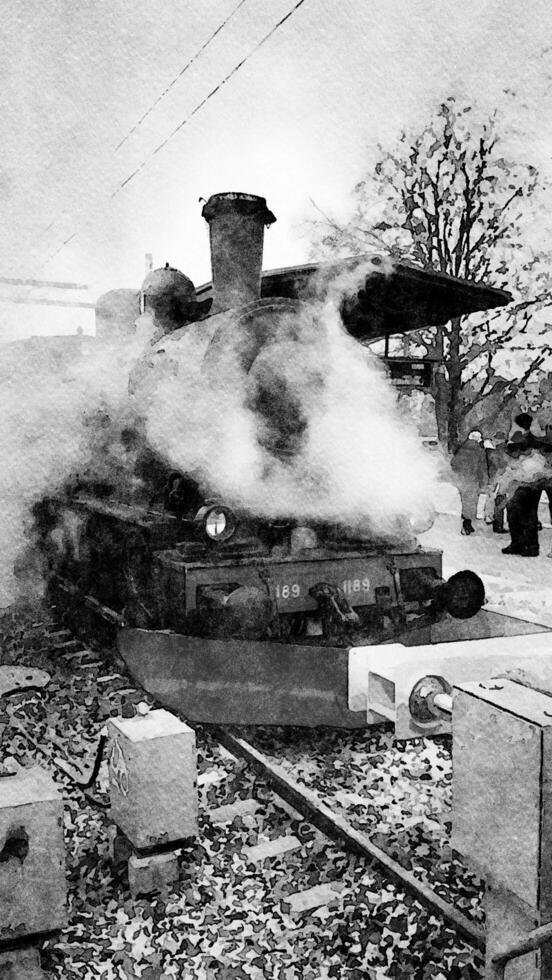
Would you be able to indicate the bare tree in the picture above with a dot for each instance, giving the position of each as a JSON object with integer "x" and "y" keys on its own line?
{"x": 449, "y": 200}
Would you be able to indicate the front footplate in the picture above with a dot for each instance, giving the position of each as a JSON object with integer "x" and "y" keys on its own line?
{"x": 246, "y": 682}
{"x": 241, "y": 682}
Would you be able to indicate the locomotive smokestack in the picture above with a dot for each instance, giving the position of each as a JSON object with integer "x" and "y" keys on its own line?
{"x": 236, "y": 230}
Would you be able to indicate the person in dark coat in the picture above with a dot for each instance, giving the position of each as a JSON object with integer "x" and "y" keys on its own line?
{"x": 469, "y": 465}
{"x": 547, "y": 487}
{"x": 522, "y": 511}
{"x": 522, "y": 508}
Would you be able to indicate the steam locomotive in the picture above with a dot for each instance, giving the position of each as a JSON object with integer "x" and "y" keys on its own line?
{"x": 229, "y": 616}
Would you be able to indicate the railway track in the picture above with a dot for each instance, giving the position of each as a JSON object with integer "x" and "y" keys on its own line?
{"x": 338, "y": 828}
{"x": 297, "y": 851}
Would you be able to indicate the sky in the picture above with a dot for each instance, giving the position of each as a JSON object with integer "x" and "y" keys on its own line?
{"x": 299, "y": 121}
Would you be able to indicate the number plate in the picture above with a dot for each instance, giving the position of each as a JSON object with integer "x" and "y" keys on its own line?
{"x": 359, "y": 588}
{"x": 291, "y": 582}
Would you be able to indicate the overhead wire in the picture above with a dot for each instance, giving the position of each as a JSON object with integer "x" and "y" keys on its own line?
{"x": 182, "y": 72}
{"x": 150, "y": 109}
{"x": 58, "y": 250}
{"x": 194, "y": 111}
{"x": 204, "y": 101}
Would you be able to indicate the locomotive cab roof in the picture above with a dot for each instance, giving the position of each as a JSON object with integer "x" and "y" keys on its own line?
{"x": 405, "y": 299}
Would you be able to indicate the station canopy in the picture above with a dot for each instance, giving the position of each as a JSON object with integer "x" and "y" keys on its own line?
{"x": 405, "y": 299}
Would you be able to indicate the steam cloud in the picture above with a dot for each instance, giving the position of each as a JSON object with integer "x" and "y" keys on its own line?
{"x": 49, "y": 410}
{"x": 527, "y": 469}
{"x": 357, "y": 462}
{"x": 206, "y": 404}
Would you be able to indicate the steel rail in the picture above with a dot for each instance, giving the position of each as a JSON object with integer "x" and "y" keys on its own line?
{"x": 310, "y": 806}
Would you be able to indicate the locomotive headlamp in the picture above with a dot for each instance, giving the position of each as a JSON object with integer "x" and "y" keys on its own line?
{"x": 218, "y": 523}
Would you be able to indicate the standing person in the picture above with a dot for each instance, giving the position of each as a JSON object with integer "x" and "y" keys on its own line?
{"x": 496, "y": 500}
{"x": 469, "y": 465}
{"x": 547, "y": 487}
{"x": 522, "y": 508}
{"x": 490, "y": 449}
{"x": 522, "y": 511}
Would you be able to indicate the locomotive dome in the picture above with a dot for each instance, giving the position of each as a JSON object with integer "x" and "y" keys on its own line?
{"x": 171, "y": 297}
{"x": 159, "y": 281}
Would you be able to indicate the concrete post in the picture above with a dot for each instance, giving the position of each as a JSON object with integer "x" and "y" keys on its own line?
{"x": 502, "y": 815}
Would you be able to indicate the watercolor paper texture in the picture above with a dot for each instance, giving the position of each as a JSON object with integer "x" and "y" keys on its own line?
{"x": 275, "y": 489}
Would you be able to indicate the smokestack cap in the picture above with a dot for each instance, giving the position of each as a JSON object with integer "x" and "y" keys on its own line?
{"x": 246, "y": 204}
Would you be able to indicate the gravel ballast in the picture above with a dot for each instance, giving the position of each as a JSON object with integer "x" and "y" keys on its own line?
{"x": 233, "y": 912}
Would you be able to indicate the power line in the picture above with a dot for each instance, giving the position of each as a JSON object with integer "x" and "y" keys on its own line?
{"x": 206, "y": 99}
{"x": 150, "y": 110}
{"x": 190, "y": 116}
{"x": 6, "y": 280}
{"x": 58, "y": 250}
{"x": 177, "y": 77}
{"x": 47, "y": 302}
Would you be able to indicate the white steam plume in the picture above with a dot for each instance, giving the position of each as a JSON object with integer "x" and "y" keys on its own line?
{"x": 357, "y": 462}
{"x": 49, "y": 404}
{"x": 528, "y": 469}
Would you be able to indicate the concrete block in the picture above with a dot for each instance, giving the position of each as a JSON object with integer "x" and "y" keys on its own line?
{"x": 271, "y": 848}
{"x": 21, "y": 964}
{"x": 154, "y": 873}
{"x": 153, "y": 778}
{"x": 502, "y": 787}
{"x": 312, "y": 898}
{"x": 229, "y": 812}
{"x": 507, "y": 919}
{"x": 32, "y": 855}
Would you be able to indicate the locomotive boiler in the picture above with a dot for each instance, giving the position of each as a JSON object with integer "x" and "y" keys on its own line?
{"x": 222, "y": 612}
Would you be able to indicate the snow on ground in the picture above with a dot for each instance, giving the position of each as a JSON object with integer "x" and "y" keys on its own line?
{"x": 515, "y": 585}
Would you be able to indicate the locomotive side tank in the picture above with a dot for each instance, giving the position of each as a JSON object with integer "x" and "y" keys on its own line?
{"x": 243, "y": 615}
